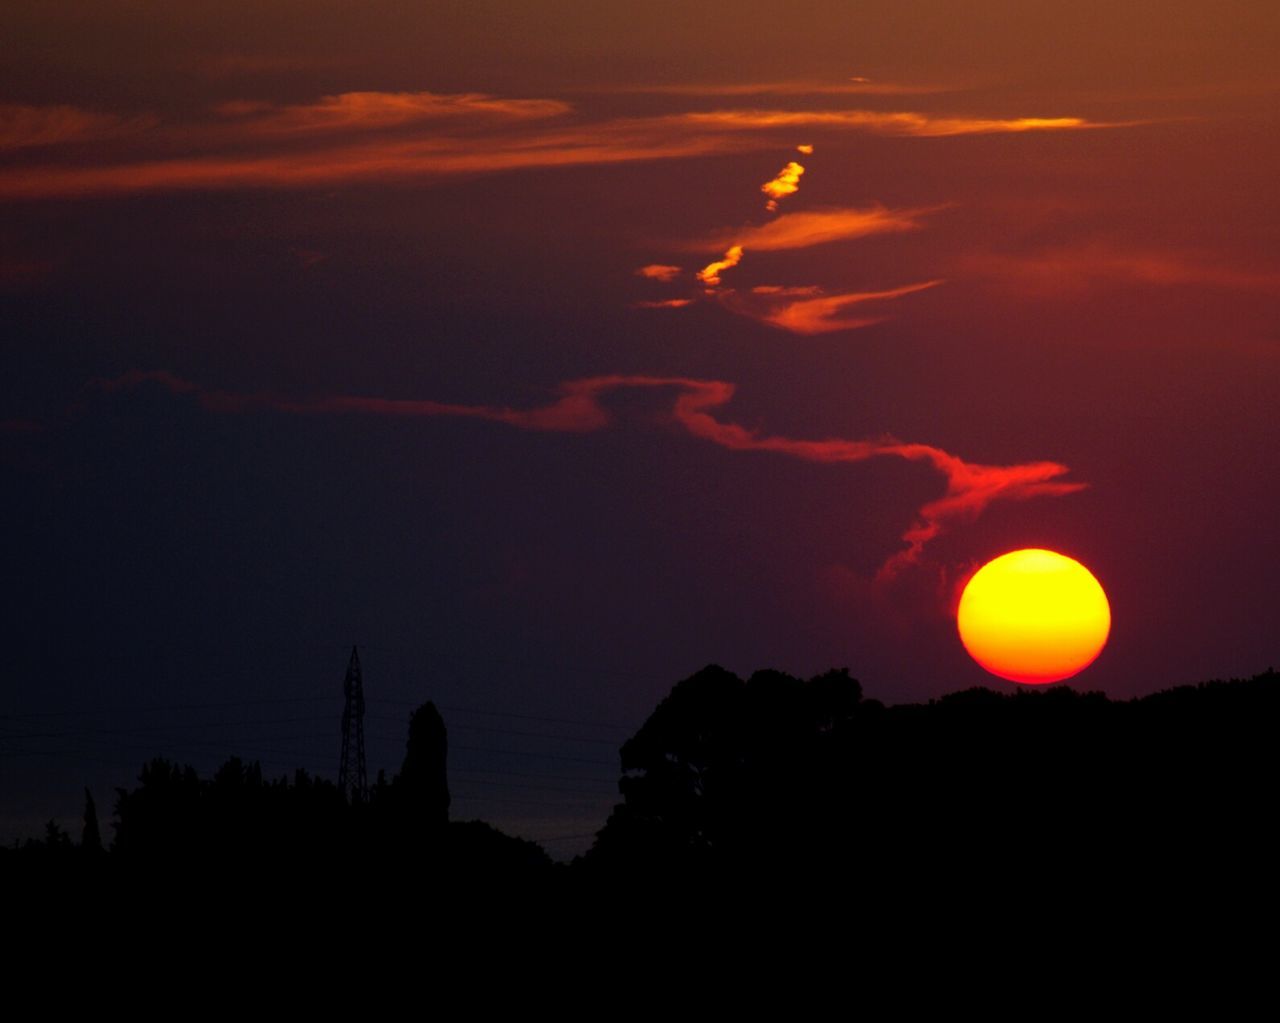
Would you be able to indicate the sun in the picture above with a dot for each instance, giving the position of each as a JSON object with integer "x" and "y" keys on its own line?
{"x": 1033, "y": 616}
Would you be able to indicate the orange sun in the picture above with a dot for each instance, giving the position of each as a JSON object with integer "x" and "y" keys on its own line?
{"x": 1033, "y": 616}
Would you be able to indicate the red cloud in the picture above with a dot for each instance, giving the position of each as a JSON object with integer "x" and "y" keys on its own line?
{"x": 970, "y": 487}
{"x": 801, "y": 311}
{"x": 23, "y": 126}
{"x": 383, "y": 159}
{"x": 659, "y": 272}
{"x": 663, "y": 303}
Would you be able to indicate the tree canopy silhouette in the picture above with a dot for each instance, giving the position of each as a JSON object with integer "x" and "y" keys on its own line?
{"x": 727, "y": 770}
{"x": 783, "y": 773}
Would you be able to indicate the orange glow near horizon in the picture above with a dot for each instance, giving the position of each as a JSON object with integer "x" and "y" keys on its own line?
{"x": 1034, "y": 616}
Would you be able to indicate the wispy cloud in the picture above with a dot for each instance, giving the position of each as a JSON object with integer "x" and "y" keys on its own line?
{"x": 970, "y": 488}
{"x": 803, "y": 309}
{"x": 857, "y": 86}
{"x": 821, "y": 226}
{"x": 382, "y": 160}
{"x": 26, "y": 127}
{"x": 368, "y": 137}
{"x": 659, "y": 272}
{"x": 882, "y": 122}
{"x": 807, "y": 311}
{"x": 369, "y": 111}
{"x": 663, "y": 303}
{"x": 802, "y": 230}
{"x": 1070, "y": 270}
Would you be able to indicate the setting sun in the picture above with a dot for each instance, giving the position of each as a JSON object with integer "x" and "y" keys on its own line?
{"x": 1033, "y": 616}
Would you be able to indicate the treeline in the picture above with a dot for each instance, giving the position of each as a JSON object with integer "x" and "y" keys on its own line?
{"x": 776, "y": 776}
{"x": 240, "y": 823}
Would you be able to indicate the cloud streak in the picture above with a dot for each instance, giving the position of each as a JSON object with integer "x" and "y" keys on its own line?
{"x": 664, "y": 272}
{"x": 970, "y": 488}
{"x": 663, "y": 303}
{"x": 806, "y": 311}
{"x": 365, "y": 111}
{"x": 802, "y": 230}
{"x": 822, "y": 226}
{"x": 881, "y": 122}
{"x": 792, "y": 87}
{"x": 29, "y": 127}
{"x": 371, "y": 136}
{"x": 1068, "y": 271}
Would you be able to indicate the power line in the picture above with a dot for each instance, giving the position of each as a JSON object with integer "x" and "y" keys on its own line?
{"x": 511, "y": 714}
{"x": 510, "y": 731}
{"x": 453, "y": 778}
{"x": 155, "y": 709}
{"x": 523, "y": 753}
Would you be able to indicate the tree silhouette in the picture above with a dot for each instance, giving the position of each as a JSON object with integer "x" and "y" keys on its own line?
{"x": 731, "y": 772}
{"x": 90, "y": 837}
{"x": 422, "y": 785}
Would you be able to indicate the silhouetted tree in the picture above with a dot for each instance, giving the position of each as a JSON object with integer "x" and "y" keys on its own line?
{"x": 90, "y": 837}
{"x": 55, "y": 839}
{"x": 996, "y": 785}
{"x": 422, "y": 786}
{"x": 725, "y": 771}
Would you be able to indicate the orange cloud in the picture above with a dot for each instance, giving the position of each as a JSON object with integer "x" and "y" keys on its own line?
{"x": 881, "y": 122}
{"x": 261, "y": 145}
{"x": 822, "y": 315}
{"x": 710, "y": 274}
{"x": 806, "y": 149}
{"x": 884, "y": 122}
{"x": 659, "y": 272}
{"x": 818, "y": 227}
{"x": 970, "y": 487}
{"x": 384, "y": 160}
{"x": 785, "y": 182}
{"x": 491, "y": 146}
{"x": 786, "y": 291}
{"x": 23, "y": 126}
{"x": 664, "y": 303}
{"x": 377, "y": 110}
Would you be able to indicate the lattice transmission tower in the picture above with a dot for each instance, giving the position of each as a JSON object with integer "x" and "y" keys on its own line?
{"x": 353, "y": 779}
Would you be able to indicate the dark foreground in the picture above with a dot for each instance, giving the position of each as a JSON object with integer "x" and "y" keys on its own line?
{"x": 755, "y": 797}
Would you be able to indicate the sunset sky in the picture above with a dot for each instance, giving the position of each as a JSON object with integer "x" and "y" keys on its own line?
{"x": 551, "y": 351}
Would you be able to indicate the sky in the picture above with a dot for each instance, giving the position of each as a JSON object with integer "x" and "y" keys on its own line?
{"x": 551, "y": 351}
